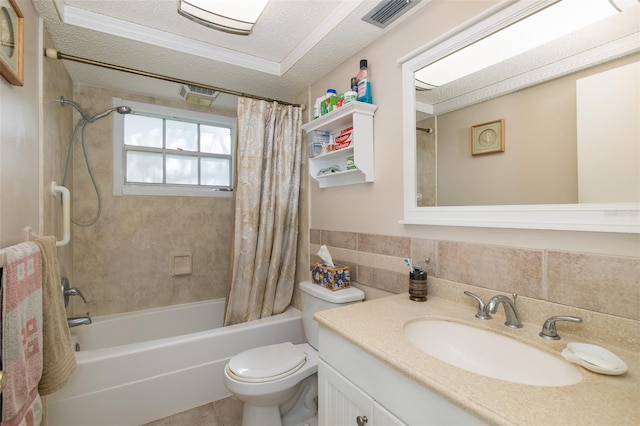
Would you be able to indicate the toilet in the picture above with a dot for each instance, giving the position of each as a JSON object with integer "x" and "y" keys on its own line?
{"x": 278, "y": 383}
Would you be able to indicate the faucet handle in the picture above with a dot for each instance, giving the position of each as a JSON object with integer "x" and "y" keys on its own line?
{"x": 549, "y": 327}
{"x": 74, "y": 292}
{"x": 482, "y": 311}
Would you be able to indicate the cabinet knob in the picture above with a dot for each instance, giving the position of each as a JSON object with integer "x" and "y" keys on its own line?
{"x": 361, "y": 420}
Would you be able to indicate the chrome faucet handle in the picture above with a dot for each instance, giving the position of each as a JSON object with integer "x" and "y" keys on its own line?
{"x": 75, "y": 292}
{"x": 482, "y": 311}
{"x": 549, "y": 327}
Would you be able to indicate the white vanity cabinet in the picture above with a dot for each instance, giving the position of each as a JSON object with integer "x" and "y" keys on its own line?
{"x": 360, "y": 116}
{"x": 343, "y": 403}
{"x": 354, "y": 384}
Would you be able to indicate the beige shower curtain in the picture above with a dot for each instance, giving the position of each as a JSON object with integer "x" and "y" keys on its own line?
{"x": 266, "y": 210}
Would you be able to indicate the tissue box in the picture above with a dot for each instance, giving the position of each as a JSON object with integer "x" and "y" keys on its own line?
{"x": 337, "y": 278}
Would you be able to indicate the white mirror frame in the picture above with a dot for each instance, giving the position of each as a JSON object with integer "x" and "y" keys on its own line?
{"x": 606, "y": 217}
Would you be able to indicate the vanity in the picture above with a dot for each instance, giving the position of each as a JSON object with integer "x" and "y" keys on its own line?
{"x": 370, "y": 373}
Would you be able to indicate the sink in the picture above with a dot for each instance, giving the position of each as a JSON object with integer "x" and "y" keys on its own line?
{"x": 490, "y": 354}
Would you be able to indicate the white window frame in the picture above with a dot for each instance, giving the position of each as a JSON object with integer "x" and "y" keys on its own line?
{"x": 120, "y": 187}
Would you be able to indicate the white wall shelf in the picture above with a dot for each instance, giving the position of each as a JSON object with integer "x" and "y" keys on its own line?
{"x": 360, "y": 116}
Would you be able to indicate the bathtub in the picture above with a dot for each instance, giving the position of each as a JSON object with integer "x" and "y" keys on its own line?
{"x": 138, "y": 367}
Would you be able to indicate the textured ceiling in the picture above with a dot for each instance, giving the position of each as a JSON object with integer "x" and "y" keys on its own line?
{"x": 294, "y": 43}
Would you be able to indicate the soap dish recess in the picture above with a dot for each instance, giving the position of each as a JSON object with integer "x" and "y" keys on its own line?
{"x": 594, "y": 358}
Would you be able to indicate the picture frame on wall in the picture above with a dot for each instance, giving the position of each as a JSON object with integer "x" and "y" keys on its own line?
{"x": 11, "y": 42}
{"x": 487, "y": 138}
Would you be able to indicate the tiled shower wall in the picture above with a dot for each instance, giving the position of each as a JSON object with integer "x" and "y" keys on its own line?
{"x": 607, "y": 284}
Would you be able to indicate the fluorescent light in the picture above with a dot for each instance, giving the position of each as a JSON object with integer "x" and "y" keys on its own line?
{"x": 551, "y": 23}
{"x": 236, "y": 17}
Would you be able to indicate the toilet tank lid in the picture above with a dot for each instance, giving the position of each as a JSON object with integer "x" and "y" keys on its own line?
{"x": 346, "y": 295}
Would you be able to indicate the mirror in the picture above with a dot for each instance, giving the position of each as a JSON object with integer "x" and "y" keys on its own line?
{"x": 540, "y": 125}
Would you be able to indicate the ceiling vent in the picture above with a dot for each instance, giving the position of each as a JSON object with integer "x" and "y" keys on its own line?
{"x": 198, "y": 95}
{"x": 388, "y": 11}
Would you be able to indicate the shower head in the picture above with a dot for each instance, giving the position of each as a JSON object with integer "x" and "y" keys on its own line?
{"x": 119, "y": 109}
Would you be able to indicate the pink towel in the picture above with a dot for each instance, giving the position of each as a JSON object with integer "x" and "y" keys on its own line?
{"x": 22, "y": 335}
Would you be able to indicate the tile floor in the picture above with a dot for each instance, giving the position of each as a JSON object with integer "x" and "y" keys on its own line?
{"x": 225, "y": 412}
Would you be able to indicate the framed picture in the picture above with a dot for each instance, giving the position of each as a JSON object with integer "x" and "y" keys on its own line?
{"x": 487, "y": 137}
{"x": 11, "y": 42}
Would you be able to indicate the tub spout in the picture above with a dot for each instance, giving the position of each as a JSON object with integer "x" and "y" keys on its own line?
{"x": 73, "y": 322}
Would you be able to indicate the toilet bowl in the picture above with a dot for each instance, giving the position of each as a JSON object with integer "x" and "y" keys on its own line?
{"x": 278, "y": 383}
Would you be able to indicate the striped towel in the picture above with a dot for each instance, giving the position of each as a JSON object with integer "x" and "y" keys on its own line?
{"x": 22, "y": 335}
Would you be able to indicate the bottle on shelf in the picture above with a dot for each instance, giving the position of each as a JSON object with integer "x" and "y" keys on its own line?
{"x": 364, "y": 83}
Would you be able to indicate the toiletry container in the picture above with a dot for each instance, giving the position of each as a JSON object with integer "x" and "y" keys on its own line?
{"x": 364, "y": 83}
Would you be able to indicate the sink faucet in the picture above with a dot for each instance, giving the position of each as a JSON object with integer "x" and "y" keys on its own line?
{"x": 73, "y": 322}
{"x": 510, "y": 311}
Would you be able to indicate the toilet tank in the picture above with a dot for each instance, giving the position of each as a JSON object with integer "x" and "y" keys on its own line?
{"x": 316, "y": 298}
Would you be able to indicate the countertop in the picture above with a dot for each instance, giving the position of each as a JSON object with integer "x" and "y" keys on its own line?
{"x": 376, "y": 327}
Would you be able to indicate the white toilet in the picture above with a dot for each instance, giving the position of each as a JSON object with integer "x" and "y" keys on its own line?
{"x": 278, "y": 383}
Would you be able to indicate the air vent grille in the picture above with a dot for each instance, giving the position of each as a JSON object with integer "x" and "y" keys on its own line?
{"x": 388, "y": 11}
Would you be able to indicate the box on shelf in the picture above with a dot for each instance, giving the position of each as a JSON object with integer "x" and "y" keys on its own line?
{"x": 343, "y": 138}
{"x": 336, "y": 278}
{"x": 317, "y": 141}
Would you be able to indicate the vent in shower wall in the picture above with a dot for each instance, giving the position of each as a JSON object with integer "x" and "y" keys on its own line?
{"x": 388, "y": 11}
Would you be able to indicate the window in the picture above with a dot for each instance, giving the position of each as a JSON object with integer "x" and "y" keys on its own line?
{"x": 167, "y": 151}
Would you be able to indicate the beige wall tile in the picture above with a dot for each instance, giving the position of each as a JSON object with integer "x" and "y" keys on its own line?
{"x": 348, "y": 240}
{"x": 422, "y": 249}
{"x": 499, "y": 268}
{"x": 608, "y": 284}
{"x": 385, "y": 244}
{"x": 393, "y": 282}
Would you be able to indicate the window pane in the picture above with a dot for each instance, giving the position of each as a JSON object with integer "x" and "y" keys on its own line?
{"x": 215, "y": 171}
{"x": 182, "y": 169}
{"x": 182, "y": 135}
{"x": 215, "y": 140}
{"x": 143, "y": 131}
{"x": 144, "y": 167}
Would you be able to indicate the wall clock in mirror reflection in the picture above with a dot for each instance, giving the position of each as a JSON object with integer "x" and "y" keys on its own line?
{"x": 11, "y": 42}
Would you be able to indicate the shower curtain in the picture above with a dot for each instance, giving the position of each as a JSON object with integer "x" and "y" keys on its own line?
{"x": 266, "y": 210}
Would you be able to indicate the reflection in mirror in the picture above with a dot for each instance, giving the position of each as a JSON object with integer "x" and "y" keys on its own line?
{"x": 546, "y": 168}
{"x": 565, "y": 144}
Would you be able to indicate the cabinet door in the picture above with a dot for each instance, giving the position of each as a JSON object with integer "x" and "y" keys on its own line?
{"x": 382, "y": 417}
{"x": 340, "y": 403}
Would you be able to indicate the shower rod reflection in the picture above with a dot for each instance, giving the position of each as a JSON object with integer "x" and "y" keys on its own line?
{"x": 54, "y": 54}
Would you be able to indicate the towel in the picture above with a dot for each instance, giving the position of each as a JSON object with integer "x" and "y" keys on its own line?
{"x": 22, "y": 334}
{"x": 58, "y": 359}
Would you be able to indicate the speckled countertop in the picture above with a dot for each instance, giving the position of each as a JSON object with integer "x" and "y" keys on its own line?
{"x": 376, "y": 327}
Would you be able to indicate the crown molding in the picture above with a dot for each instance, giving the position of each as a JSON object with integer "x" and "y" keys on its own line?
{"x": 117, "y": 27}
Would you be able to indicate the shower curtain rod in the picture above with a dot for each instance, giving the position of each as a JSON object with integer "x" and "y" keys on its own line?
{"x": 54, "y": 54}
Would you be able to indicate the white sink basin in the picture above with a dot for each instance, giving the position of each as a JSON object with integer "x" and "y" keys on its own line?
{"x": 490, "y": 354}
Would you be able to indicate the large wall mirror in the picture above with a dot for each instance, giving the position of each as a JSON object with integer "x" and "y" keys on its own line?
{"x": 567, "y": 112}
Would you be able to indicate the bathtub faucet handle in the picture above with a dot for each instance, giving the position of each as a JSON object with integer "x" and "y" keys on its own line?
{"x": 75, "y": 292}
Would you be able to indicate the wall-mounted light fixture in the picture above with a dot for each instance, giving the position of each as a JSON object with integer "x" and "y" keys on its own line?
{"x": 235, "y": 17}
{"x": 550, "y": 23}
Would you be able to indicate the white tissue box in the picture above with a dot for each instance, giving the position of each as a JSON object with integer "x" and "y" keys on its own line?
{"x": 336, "y": 278}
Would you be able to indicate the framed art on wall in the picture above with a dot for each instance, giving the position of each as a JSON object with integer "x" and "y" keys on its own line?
{"x": 487, "y": 137}
{"x": 11, "y": 42}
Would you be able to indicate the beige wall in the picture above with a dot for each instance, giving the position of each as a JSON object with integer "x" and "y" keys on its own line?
{"x": 375, "y": 209}
{"x": 56, "y": 137}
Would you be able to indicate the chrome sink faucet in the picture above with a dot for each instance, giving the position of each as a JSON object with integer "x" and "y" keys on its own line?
{"x": 510, "y": 311}
{"x": 549, "y": 330}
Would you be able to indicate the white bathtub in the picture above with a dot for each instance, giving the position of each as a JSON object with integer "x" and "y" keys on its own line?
{"x": 138, "y": 367}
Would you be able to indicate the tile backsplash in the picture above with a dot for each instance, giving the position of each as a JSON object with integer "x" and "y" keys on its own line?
{"x": 601, "y": 283}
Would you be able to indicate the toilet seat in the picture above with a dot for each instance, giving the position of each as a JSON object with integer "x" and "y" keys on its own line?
{"x": 266, "y": 363}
